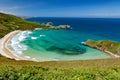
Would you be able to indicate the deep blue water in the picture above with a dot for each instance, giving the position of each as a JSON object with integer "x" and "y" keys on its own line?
{"x": 107, "y": 27}
{"x": 65, "y": 44}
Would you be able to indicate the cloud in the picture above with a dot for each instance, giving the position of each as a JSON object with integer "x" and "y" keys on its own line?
{"x": 9, "y": 10}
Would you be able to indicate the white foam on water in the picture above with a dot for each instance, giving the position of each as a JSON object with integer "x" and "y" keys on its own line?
{"x": 33, "y": 38}
{"x": 29, "y": 32}
{"x": 15, "y": 42}
{"x": 17, "y": 47}
{"x": 19, "y": 52}
{"x": 22, "y": 35}
{"x": 42, "y": 35}
{"x": 20, "y": 46}
{"x": 21, "y": 38}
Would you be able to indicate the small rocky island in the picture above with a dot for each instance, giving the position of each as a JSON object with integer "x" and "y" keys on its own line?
{"x": 107, "y": 46}
{"x": 51, "y": 26}
{"x": 64, "y": 26}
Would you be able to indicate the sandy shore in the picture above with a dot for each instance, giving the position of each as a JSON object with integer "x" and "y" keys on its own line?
{"x": 5, "y": 51}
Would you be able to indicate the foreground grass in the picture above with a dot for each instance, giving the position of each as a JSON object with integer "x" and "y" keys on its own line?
{"x": 105, "y": 69}
{"x": 48, "y": 73}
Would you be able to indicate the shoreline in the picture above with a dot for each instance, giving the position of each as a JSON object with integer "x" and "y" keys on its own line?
{"x": 105, "y": 51}
{"x": 5, "y": 51}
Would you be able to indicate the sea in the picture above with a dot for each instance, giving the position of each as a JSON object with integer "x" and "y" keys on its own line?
{"x": 65, "y": 44}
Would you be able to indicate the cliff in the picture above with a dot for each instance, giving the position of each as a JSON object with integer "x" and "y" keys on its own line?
{"x": 107, "y": 46}
{"x": 10, "y": 23}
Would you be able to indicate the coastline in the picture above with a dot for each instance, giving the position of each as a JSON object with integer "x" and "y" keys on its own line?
{"x": 5, "y": 51}
{"x": 107, "y": 52}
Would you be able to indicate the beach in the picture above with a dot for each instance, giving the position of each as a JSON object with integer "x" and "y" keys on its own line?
{"x": 5, "y": 51}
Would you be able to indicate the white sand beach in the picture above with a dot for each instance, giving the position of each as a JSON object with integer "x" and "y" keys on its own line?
{"x": 5, "y": 51}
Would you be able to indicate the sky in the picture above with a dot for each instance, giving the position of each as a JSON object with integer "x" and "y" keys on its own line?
{"x": 62, "y": 8}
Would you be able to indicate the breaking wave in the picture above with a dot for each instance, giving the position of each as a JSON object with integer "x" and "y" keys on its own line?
{"x": 15, "y": 42}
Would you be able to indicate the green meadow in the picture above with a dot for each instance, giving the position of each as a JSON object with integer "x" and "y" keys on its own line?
{"x": 104, "y": 69}
{"x": 10, "y": 69}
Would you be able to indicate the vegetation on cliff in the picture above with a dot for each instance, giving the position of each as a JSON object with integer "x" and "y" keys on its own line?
{"x": 10, "y": 23}
{"x": 105, "y": 45}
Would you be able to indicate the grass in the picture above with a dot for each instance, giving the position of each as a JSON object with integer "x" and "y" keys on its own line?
{"x": 45, "y": 73}
{"x": 108, "y": 45}
{"x": 100, "y": 69}
{"x": 10, "y": 23}
{"x": 103, "y": 69}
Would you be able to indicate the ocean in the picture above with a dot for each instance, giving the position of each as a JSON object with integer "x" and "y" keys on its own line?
{"x": 65, "y": 44}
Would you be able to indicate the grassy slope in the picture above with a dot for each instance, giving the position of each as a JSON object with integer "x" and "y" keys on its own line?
{"x": 10, "y": 23}
{"x": 108, "y": 45}
{"x": 106, "y": 69}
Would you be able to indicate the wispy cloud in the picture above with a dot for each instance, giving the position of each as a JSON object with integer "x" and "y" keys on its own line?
{"x": 9, "y": 10}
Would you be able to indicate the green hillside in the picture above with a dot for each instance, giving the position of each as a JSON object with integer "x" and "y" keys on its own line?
{"x": 10, "y": 23}
{"x": 108, "y": 45}
{"x": 100, "y": 69}
{"x": 105, "y": 69}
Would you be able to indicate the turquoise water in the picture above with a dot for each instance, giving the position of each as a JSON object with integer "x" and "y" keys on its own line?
{"x": 64, "y": 44}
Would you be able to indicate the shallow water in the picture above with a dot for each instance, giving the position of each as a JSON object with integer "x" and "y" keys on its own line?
{"x": 65, "y": 44}
{"x": 51, "y": 44}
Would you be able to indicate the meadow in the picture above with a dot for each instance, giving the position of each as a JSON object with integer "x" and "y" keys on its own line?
{"x": 10, "y": 69}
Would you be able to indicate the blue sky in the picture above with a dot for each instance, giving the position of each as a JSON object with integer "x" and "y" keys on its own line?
{"x": 62, "y": 8}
